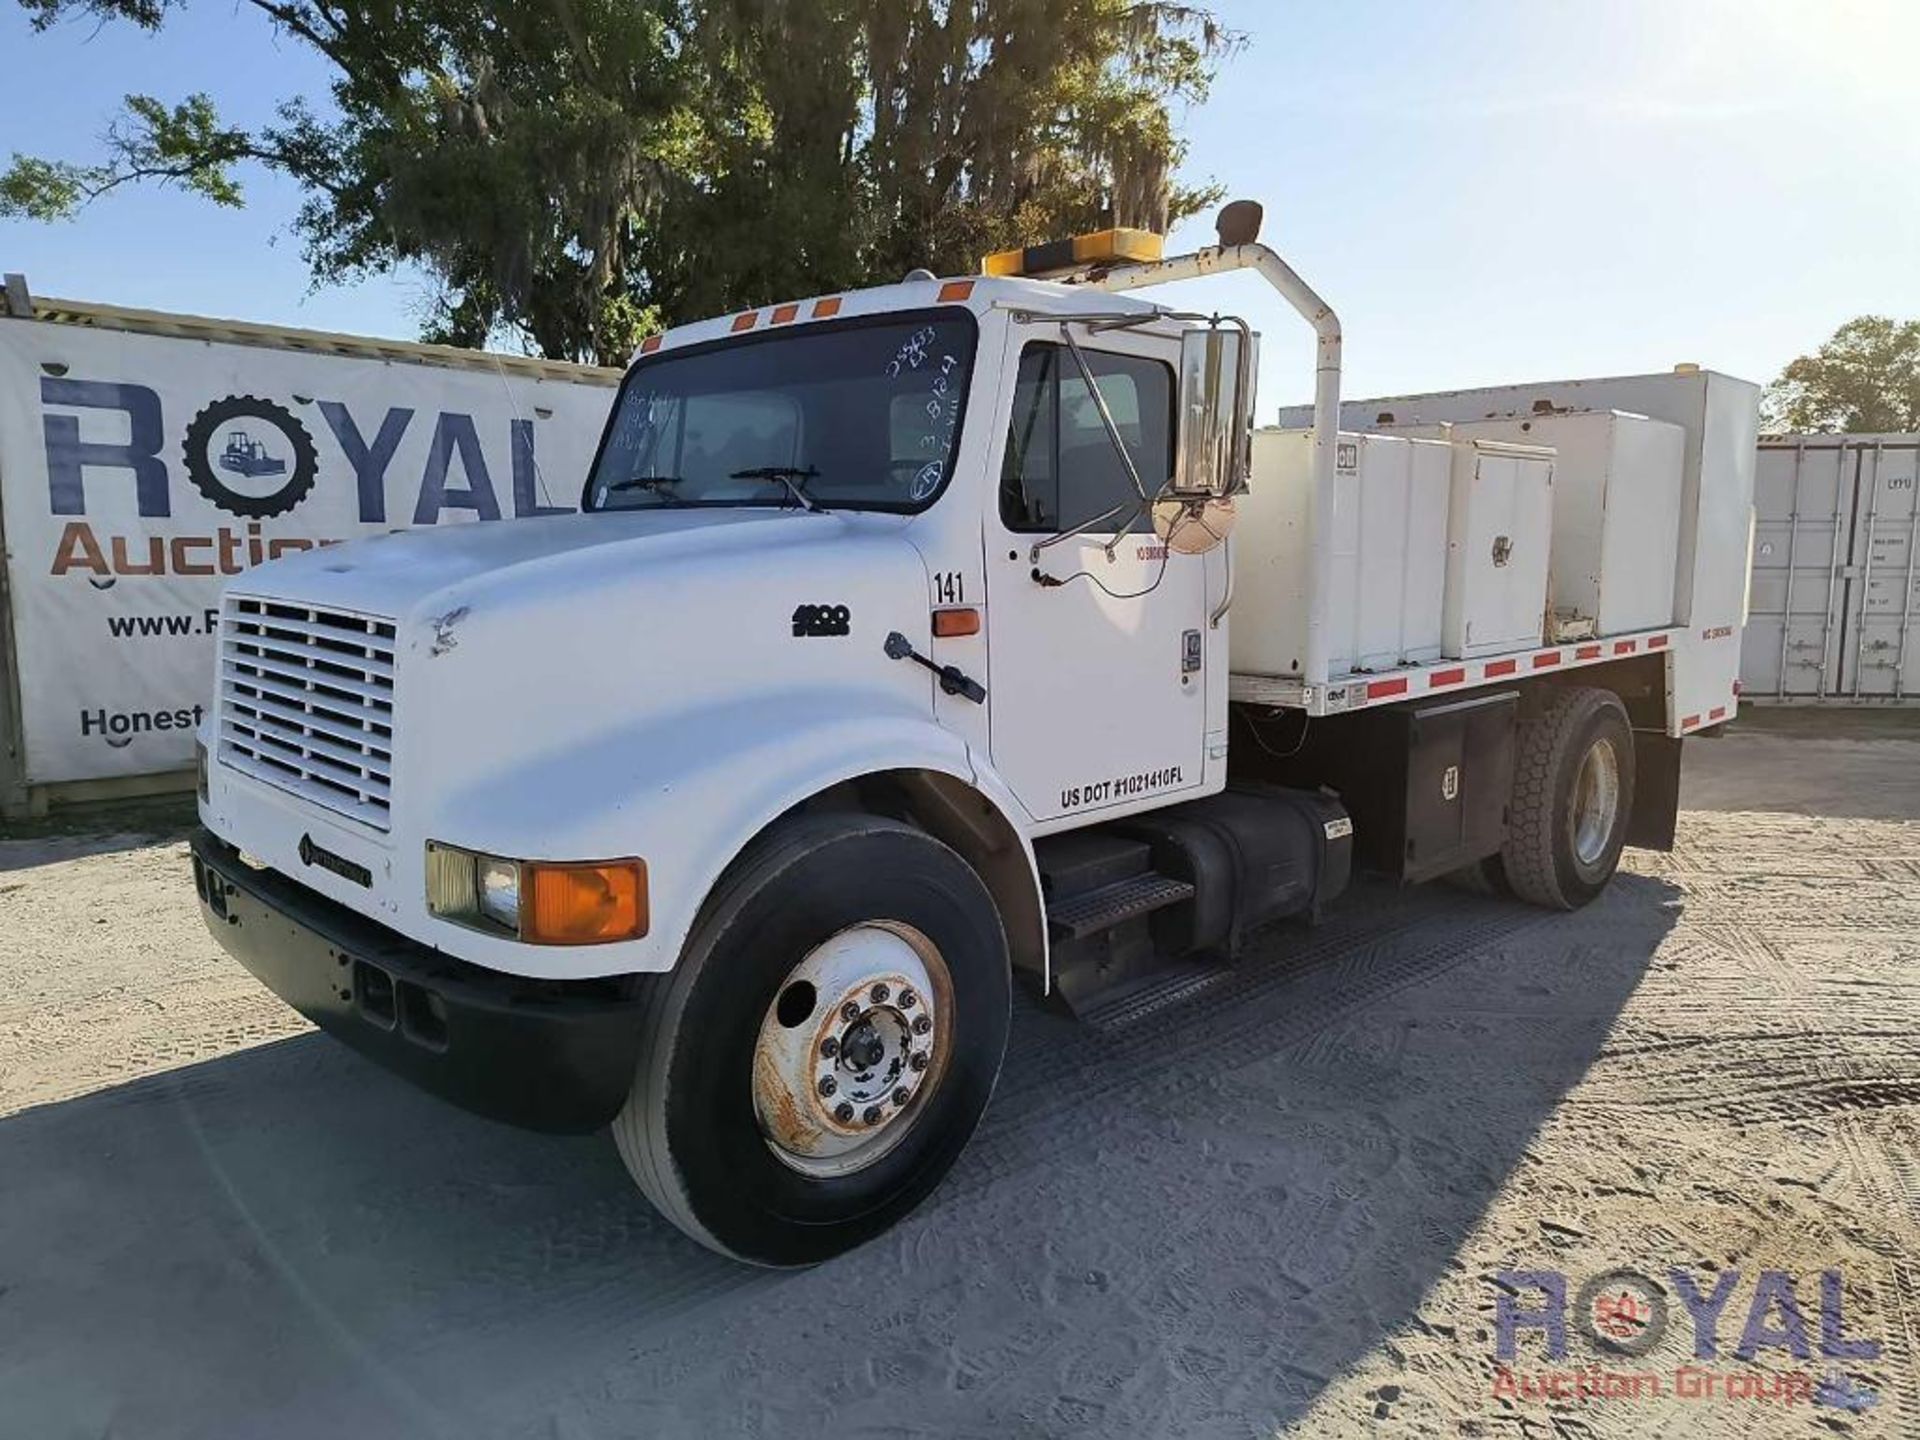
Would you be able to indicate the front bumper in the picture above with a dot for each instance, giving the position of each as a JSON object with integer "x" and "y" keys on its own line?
{"x": 543, "y": 1054}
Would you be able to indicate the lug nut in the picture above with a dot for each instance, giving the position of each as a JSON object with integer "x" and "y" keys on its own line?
{"x": 829, "y": 1047}
{"x": 906, "y": 999}
{"x": 880, "y": 994}
{"x": 828, "y": 1085}
{"x": 901, "y": 1095}
{"x": 919, "y": 1060}
{"x": 873, "y": 1115}
{"x": 843, "y": 1112}
{"x": 921, "y": 1024}
{"x": 849, "y": 1011}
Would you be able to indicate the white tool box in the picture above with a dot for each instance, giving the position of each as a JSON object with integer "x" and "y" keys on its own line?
{"x": 1616, "y": 514}
{"x": 1387, "y": 552}
{"x": 1499, "y": 533}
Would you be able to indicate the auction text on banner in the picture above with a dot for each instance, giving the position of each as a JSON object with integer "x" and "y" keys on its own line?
{"x": 140, "y": 472}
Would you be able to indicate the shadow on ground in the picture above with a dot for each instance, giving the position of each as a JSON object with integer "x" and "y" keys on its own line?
{"x": 94, "y": 830}
{"x": 1835, "y": 764}
{"x": 1187, "y": 1224}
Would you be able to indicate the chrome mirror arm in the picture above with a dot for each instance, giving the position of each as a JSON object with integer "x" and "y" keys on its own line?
{"x": 1033, "y": 554}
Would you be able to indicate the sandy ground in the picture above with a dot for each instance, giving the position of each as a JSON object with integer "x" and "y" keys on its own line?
{"x": 1278, "y": 1204}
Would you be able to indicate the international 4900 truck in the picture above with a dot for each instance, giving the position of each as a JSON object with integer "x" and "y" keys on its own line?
{"x": 916, "y": 638}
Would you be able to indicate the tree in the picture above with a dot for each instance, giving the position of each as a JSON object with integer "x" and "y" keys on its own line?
{"x": 1865, "y": 379}
{"x": 576, "y": 173}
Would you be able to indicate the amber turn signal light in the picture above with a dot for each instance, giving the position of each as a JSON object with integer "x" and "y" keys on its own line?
{"x": 948, "y": 624}
{"x": 584, "y": 904}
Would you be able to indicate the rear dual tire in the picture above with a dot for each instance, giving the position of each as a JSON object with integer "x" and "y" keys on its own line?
{"x": 1572, "y": 796}
{"x": 798, "y": 963}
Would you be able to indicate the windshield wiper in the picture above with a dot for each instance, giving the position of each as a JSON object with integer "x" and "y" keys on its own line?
{"x": 794, "y": 477}
{"x": 657, "y": 483}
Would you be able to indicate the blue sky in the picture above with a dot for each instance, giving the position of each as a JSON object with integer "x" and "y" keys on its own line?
{"x": 1486, "y": 190}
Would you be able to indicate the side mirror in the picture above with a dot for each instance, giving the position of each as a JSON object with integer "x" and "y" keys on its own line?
{"x": 1216, "y": 404}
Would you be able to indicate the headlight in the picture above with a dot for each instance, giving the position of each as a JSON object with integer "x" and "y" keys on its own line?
{"x": 497, "y": 886}
{"x": 200, "y": 769}
{"x": 453, "y": 887}
{"x": 542, "y": 902}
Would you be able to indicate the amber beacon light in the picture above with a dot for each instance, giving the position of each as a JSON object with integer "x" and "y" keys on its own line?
{"x": 1059, "y": 257}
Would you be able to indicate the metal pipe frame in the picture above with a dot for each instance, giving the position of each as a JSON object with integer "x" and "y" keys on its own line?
{"x": 1307, "y": 303}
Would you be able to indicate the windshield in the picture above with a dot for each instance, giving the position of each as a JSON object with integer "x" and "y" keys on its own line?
{"x": 861, "y": 416}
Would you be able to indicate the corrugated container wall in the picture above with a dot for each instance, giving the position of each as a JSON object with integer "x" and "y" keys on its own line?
{"x": 1834, "y": 612}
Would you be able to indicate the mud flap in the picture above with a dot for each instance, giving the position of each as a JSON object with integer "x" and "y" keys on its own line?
{"x": 1656, "y": 790}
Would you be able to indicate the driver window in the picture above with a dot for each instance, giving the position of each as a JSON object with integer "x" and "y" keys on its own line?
{"x": 1061, "y": 469}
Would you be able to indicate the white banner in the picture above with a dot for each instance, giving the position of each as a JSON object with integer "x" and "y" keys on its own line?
{"x": 138, "y": 472}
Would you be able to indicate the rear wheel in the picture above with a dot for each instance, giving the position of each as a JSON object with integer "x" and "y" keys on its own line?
{"x": 826, "y": 1045}
{"x": 1572, "y": 794}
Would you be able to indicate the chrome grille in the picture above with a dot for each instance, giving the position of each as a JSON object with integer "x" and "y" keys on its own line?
{"x": 306, "y": 703}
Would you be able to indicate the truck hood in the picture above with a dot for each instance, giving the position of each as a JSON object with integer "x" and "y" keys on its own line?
{"x": 521, "y": 645}
{"x": 571, "y": 687}
{"x": 394, "y": 575}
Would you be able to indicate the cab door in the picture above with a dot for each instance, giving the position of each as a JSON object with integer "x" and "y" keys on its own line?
{"x": 1098, "y": 667}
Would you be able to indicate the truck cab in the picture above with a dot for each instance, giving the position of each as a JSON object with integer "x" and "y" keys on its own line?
{"x": 888, "y": 659}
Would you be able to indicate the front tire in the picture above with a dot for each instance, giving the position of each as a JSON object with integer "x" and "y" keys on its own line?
{"x": 819, "y": 1057}
{"x": 1572, "y": 796}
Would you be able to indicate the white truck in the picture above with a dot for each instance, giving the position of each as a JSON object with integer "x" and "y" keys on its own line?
{"x": 900, "y": 652}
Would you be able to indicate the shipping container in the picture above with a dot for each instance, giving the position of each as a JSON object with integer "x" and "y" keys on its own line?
{"x": 1836, "y": 598}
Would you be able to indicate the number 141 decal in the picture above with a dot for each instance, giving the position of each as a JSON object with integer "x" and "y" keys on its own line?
{"x": 949, "y": 588}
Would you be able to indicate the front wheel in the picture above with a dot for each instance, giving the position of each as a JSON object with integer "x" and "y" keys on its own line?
{"x": 826, "y": 1045}
{"x": 1572, "y": 796}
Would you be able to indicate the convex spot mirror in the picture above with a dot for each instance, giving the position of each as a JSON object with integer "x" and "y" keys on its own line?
{"x": 1216, "y": 412}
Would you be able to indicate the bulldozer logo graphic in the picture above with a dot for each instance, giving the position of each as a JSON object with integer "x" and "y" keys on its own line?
{"x": 250, "y": 457}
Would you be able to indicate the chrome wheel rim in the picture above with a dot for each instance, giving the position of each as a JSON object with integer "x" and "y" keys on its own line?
{"x": 1596, "y": 803}
{"x": 854, "y": 1042}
